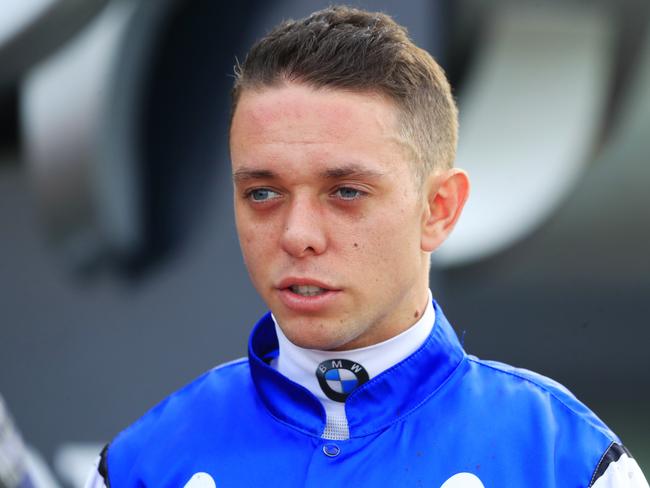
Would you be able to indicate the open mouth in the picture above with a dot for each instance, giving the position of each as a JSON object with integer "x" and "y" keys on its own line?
{"x": 303, "y": 295}
{"x": 307, "y": 290}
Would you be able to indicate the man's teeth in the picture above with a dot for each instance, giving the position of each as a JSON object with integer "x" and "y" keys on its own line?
{"x": 307, "y": 290}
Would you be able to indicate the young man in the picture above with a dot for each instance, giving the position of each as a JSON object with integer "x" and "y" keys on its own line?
{"x": 342, "y": 141}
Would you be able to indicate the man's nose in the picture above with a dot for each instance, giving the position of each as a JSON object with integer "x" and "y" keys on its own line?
{"x": 304, "y": 229}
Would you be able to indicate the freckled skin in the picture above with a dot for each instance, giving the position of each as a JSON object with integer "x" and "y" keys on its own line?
{"x": 308, "y": 228}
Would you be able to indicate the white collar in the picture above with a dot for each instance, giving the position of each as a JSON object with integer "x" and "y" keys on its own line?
{"x": 299, "y": 364}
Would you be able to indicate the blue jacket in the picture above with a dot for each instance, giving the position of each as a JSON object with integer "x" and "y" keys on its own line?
{"x": 438, "y": 413}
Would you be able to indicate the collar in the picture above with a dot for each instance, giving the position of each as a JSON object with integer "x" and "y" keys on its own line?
{"x": 299, "y": 364}
{"x": 372, "y": 406}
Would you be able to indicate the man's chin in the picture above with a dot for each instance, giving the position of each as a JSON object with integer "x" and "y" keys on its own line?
{"x": 310, "y": 334}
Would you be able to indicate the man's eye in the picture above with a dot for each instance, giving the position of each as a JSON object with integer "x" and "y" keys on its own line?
{"x": 346, "y": 193}
{"x": 262, "y": 195}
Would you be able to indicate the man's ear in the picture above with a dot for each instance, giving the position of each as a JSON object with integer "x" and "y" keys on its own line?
{"x": 445, "y": 193}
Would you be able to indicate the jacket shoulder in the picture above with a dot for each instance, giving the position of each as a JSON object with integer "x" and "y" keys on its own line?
{"x": 543, "y": 389}
{"x": 566, "y": 436}
{"x": 170, "y": 414}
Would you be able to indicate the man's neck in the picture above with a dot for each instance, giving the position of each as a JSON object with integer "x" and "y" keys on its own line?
{"x": 300, "y": 365}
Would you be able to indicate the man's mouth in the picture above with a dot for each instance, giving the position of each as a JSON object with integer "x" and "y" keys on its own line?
{"x": 307, "y": 295}
{"x": 307, "y": 290}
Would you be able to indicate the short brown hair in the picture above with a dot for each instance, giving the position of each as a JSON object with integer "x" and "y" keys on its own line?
{"x": 350, "y": 49}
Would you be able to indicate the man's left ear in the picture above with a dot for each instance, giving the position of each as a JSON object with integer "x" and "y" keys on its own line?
{"x": 446, "y": 193}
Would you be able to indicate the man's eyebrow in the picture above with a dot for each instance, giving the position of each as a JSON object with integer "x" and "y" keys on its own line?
{"x": 351, "y": 170}
{"x": 243, "y": 174}
{"x": 346, "y": 171}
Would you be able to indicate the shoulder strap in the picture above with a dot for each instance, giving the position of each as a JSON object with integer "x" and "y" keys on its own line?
{"x": 103, "y": 466}
{"x": 613, "y": 454}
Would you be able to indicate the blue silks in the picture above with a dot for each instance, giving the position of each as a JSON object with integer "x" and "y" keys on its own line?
{"x": 438, "y": 416}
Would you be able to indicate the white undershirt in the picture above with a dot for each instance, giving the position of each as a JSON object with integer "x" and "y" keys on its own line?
{"x": 622, "y": 473}
{"x": 299, "y": 364}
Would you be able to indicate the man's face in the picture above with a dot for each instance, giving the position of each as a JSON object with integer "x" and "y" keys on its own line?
{"x": 329, "y": 215}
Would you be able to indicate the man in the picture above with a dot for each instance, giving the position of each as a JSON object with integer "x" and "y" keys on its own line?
{"x": 342, "y": 142}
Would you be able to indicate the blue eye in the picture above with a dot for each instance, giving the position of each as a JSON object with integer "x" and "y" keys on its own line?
{"x": 347, "y": 193}
{"x": 262, "y": 195}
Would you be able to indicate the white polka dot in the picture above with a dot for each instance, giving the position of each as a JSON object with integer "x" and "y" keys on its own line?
{"x": 201, "y": 480}
{"x": 463, "y": 480}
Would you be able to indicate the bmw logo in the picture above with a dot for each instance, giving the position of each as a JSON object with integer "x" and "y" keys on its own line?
{"x": 339, "y": 377}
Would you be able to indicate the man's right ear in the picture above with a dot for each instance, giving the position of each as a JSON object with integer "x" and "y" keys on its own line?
{"x": 446, "y": 193}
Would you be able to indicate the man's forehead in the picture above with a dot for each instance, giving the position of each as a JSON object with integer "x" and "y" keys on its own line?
{"x": 329, "y": 128}
{"x": 293, "y": 103}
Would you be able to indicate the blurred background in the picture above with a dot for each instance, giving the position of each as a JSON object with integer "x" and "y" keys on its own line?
{"x": 120, "y": 273}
